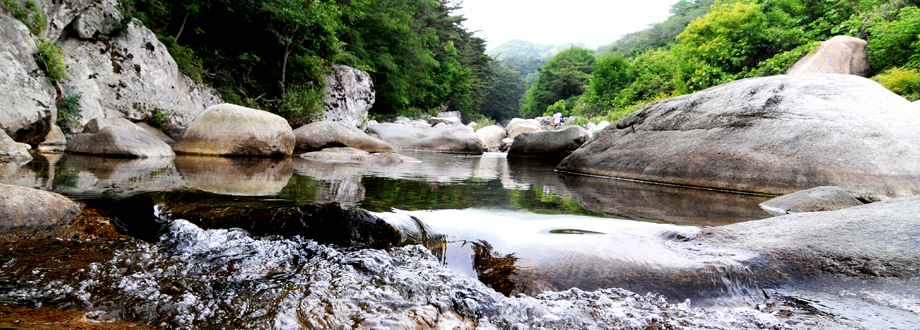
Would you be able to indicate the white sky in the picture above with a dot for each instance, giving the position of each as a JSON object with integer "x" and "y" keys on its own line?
{"x": 593, "y": 22}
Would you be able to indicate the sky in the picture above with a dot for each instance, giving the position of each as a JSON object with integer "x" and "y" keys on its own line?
{"x": 593, "y": 22}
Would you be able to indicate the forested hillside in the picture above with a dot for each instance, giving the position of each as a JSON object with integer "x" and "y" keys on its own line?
{"x": 733, "y": 40}
{"x": 271, "y": 54}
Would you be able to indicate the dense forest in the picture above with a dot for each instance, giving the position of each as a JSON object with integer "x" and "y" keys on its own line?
{"x": 704, "y": 44}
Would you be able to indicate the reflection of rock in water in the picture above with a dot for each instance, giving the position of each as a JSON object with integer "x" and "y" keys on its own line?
{"x": 644, "y": 201}
{"x": 347, "y": 191}
{"x": 37, "y": 173}
{"x": 236, "y": 176}
{"x": 92, "y": 176}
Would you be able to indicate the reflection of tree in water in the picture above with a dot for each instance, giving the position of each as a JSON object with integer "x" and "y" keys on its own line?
{"x": 496, "y": 270}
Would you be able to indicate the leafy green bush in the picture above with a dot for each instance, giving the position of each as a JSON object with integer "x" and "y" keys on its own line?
{"x": 902, "y": 82}
{"x": 159, "y": 117}
{"x": 301, "y": 105}
{"x": 411, "y": 113}
{"x": 558, "y": 106}
{"x": 51, "y": 58}
{"x": 483, "y": 122}
{"x": 184, "y": 56}
{"x": 35, "y": 21}
{"x": 893, "y": 43}
{"x": 69, "y": 112}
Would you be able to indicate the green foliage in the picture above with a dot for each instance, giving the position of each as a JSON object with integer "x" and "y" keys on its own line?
{"x": 896, "y": 42}
{"x": 505, "y": 88}
{"x": 904, "y": 82}
{"x": 29, "y": 14}
{"x": 68, "y": 112}
{"x": 51, "y": 60}
{"x": 564, "y": 77}
{"x": 483, "y": 122}
{"x": 558, "y": 106}
{"x": 660, "y": 34}
{"x": 301, "y": 105}
{"x": 159, "y": 117}
{"x": 612, "y": 75}
{"x": 184, "y": 56}
{"x": 411, "y": 113}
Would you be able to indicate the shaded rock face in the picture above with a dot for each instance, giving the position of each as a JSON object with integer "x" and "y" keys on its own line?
{"x": 840, "y": 54}
{"x": 492, "y": 136}
{"x": 325, "y": 134}
{"x": 27, "y": 99}
{"x": 549, "y": 144}
{"x": 874, "y": 240}
{"x": 232, "y": 130}
{"x": 774, "y": 135}
{"x": 811, "y": 200}
{"x": 350, "y": 94}
{"x": 325, "y": 223}
{"x": 456, "y": 139}
{"x": 357, "y": 156}
{"x": 117, "y": 141}
{"x": 12, "y": 151}
{"x": 32, "y": 209}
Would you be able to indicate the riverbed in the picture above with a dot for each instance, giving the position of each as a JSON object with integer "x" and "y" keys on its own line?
{"x": 485, "y": 242}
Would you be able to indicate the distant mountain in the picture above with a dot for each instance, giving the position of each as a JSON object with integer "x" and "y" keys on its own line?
{"x": 526, "y": 57}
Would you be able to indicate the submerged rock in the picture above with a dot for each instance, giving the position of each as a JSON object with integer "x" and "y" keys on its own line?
{"x": 117, "y": 141}
{"x": 232, "y": 130}
{"x": 554, "y": 144}
{"x": 29, "y": 209}
{"x": 811, "y": 200}
{"x": 874, "y": 240}
{"x": 840, "y": 54}
{"x": 773, "y": 135}
{"x": 326, "y": 134}
{"x": 455, "y": 139}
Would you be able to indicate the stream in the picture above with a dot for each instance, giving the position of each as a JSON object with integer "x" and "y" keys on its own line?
{"x": 484, "y": 242}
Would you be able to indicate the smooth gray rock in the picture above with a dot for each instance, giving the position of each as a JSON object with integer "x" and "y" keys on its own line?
{"x": 506, "y": 144}
{"x": 774, "y": 135}
{"x": 840, "y": 54}
{"x": 156, "y": 133}
{"x": 232, "y": 130}
{"x": 27, "y": 99}
{"x": 874, "y": 240}
{"x": 455, "y": 139}
{"x": 449, "y": 121}
{"x": 357, "y": 156}
{"x": 349, "y": 95}
{"x": 555, "y": 144}
{"x": 325, "y": 134}
{"x": 94, "y": 125}
{"x": 117, "y": 141}
{"x": 30, "y": 208}
{"x": 492, "y": 136}
{"x": 54, "y": 141}
{"x": 811, "y": 200}
{"x": 517, "y": 126}
{"x": 12, "y": 151}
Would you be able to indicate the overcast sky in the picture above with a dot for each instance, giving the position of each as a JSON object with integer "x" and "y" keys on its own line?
{"x": 593, "y": 22}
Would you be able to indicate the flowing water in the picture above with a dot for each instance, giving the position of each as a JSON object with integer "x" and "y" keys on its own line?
{"x": 484, "y": 242}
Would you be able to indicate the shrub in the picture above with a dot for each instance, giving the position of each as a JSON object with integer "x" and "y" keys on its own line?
{"x": 483, "y": 122}
{"x": 35, "y": 21}
{"x": 159, "y": 117}
{"x": 904, "y": 82}
{"x": 51, "y": 58}
{"x": 301, "y": 105}
{"x": 69, "y": 112}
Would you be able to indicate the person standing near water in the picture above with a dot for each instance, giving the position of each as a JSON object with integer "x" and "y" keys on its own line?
{"x": 557, "y": 119}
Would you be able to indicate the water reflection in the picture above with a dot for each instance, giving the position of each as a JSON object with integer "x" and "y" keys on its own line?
{"x": 236, "y": 176}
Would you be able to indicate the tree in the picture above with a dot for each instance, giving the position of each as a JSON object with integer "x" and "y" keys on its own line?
{"x": 611, "y": 75}
{"x": 564, "y": 77}
{"x": 505, "y": 89}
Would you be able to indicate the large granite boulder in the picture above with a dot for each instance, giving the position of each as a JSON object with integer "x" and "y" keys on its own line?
{"x": 555, "y": 144}
{"x": 232, "y": 130}
{"x": 455, "y": 139}
{"x": 29, "y": 208}
{"x": 773, "y": 135}
{"x": 517, "y": 126}
{"x": 326, "y": 134}
{"x": 12, "y": 151}
{"x": 117, "y": 141}
{"x": 812, "y": 200}
{"x": 27, "y": 100}
{"x": 840, "y": 54}
{"x": 349, "y": 95}
{"x": 878, "y": 239}
{"x": 54, "y": 141}
{"x": 492, "y": 136}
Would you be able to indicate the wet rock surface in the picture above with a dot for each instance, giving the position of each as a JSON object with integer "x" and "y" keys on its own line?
{"x": 811, "y": 200}
{"x": 869, "y": 241}
{"x": 117, "y": 141}
{"x": 231, "y": 130}
{"x": 454, "y": 139}
{"x": 328, "y": 134}
{"x": 552, "y": 144}
{"x": 773, "y": 135}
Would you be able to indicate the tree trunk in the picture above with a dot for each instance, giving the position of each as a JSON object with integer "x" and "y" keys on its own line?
{"x": 181, "y": 28}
